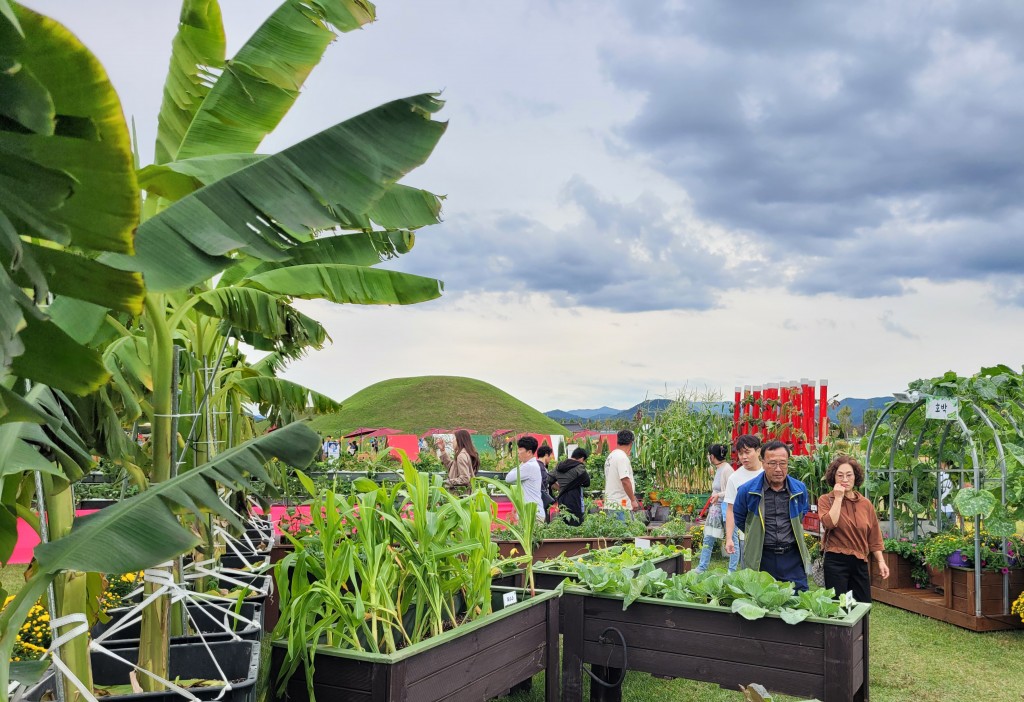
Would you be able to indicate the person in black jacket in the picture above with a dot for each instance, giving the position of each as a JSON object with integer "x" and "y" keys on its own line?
{"x": 571, "y": 476}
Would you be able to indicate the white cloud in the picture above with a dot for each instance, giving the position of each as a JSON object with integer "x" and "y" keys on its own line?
{"x": 692, "y": 167}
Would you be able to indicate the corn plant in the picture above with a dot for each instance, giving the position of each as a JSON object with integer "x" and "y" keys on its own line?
{"x": 520, "y": 526}
{"x": 673, "y": 444}
{"x": 384, "y": 568}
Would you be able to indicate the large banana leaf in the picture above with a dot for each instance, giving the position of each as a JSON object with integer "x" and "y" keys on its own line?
{"x": 53, "y": 358}
{"x": 67, "y": 175}
{"x": 22, "y": 445}
{"x": 144, "y": 530}
{"x": 90, "y": 141}
{"x": 196, "y": 52}
{"x": 360, "y": 249}
{"x": 349, "y": 284}
{"x": 270, "y": 205}
{"x": 269, "y": 315}
{"x": 401, "y": 207}
{"x": 278, "y": 393}
{"x": 261, "y": 82}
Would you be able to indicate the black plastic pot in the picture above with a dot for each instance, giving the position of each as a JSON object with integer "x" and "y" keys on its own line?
{"x": 257, "y": 582}
{"x": 95, "y": 503}
{"x": 96, "y": 476}
{"x": 205, "y": 618}
{"x": 235, "y": 562}
{"x": 238, "y": 659}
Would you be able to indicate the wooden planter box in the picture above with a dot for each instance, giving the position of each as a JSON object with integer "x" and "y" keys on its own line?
{"x": 553, "y": 548}
{"x": 476, "y": 661}
{"x": 959, "y": 590}
{"x": 899, "y": 573}
{"x": 826, "y": 659}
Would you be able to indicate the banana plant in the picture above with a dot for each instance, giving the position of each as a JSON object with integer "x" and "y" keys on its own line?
{"x": 259, "y": 211}
{"x": 144, "y": 530}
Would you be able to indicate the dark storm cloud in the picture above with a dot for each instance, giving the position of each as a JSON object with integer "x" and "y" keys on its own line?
{"x": 865, "y": 142}
{"x": 626, "y": 257}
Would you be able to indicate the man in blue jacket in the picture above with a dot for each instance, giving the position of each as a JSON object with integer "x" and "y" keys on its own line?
{"x": 770, "y": 510}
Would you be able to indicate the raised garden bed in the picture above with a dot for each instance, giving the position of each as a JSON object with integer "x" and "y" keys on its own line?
{"x": 476, "y": 661}
{"x": 951, "y": 595}
{"x": 822, "y": 658}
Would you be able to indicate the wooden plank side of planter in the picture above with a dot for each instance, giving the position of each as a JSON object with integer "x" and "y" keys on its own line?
{"x": 726, "y": 649}
{"x": 844, "y": 658}
{"x": 451, "y": 652}
{"x": 349, "y": 682}
{"x": 811, "y": 659}
{"x": 694, "y": 666}
{"x": 521, "y": 650}
{"x": 711, "y": 622}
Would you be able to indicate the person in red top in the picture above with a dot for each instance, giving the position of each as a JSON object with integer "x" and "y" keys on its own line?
{"x": 852, "y": 534}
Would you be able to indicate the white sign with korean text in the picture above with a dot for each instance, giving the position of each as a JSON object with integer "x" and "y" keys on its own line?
{"x": 944, "y": 408}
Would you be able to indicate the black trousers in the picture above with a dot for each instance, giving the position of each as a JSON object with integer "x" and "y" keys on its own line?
{"x": 845, "y": 573}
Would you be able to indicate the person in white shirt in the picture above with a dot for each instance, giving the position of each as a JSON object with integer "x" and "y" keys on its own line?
{"x": 529, "y": 474}
{"x": 747, "y": 447}
{"x": 618, "y": 477}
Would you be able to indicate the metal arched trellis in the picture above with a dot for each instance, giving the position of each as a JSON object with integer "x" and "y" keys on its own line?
{"x": 980, "y": 476}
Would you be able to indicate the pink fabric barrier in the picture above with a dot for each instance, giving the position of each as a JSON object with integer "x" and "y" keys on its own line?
{"x": 28, "y": 539}
{"x": 407, "y": 442}
{"x": 505, "y": 508}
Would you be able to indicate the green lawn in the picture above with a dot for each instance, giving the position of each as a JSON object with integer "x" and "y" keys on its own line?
{"x": 913, "y": 659}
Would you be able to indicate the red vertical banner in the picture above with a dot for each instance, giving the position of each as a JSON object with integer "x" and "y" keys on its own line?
{"x": 756, "y": 412}
{"x": 736, "y": 414}
{"x": 785, "y": 414}
{"x": 796, "y": 396}
{"x": 770, "y": 413}
{"x": 808, "y": 393}
{"x": 822, "y": 411}
{"x": 747, "y": 409}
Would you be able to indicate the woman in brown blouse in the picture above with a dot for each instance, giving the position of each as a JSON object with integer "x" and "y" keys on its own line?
{"x": 852, "y": 534}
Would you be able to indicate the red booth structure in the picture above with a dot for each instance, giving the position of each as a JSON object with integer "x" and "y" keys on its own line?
{"x": 791, "y": 411}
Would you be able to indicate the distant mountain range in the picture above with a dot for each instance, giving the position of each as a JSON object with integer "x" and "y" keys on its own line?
{"x": 857, "y": 406}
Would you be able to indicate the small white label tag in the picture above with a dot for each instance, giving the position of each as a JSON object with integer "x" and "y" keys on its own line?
{"x": 643, "y": 543}
{"x": 508, "y": 599}
{"x": 942, "y": 408}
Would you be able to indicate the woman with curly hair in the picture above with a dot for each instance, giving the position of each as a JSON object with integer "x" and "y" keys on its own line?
{"x": 852, "y": 534}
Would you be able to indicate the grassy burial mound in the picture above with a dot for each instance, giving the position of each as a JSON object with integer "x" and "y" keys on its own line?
{"x": 418, "y": 404}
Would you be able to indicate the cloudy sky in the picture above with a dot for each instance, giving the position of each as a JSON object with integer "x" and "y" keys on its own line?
{"x": 643, "y": 196}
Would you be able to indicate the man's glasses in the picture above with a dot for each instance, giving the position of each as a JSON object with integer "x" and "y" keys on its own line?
{"x": 776, "y": 464}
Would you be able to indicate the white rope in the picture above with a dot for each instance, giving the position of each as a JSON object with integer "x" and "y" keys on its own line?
{"x": 164, "y": 579}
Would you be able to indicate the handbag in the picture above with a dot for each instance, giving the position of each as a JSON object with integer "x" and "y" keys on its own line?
{"x": 714, "y": 525}
{"x": 818, "y": 564}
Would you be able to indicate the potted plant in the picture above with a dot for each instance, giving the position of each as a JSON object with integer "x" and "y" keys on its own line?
{"x": 393, "y": 590}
